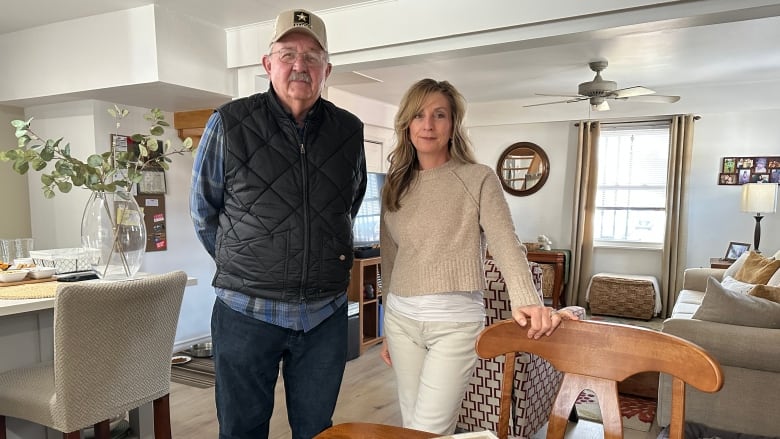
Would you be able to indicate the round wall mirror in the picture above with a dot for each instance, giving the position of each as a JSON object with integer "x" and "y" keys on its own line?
{"x": 523, "y": 168}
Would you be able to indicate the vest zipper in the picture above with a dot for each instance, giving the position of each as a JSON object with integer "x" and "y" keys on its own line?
{"x": 306, "y": 225}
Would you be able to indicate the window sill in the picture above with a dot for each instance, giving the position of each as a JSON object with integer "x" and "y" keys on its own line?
{"x": 628, "y": 245}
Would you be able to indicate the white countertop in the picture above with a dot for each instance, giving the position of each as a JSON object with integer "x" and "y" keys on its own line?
{"x": 17, "y": 306}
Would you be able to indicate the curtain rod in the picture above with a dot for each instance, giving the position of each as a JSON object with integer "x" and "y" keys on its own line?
{"x": 576, "y": 124}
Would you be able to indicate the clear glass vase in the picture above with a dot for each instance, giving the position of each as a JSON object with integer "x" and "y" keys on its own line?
{"x": 113, "y": 235}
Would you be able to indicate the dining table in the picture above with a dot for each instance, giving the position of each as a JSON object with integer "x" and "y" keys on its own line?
{"x": 27, "y": 337}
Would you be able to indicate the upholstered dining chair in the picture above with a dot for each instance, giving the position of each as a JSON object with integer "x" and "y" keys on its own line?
{"x": 112, "y": 353}
{"x": 592, "y": 355}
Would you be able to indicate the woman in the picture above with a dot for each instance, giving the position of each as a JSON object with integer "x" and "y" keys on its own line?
{"x": 436, "y": 204}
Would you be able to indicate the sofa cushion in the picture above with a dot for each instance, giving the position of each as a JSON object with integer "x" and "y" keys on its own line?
{"x": 757, "y": 269}
{"x": 736, "y": 286}
{"x": 766, "y": 292}
{"x": 774, "y": 281}
{"x": 687, "y": 303}
{"x": 736, "y": 265}
{"x": 725, "y": 306}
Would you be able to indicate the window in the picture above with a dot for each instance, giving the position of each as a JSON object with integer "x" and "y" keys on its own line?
{"x": 631, "y": 187}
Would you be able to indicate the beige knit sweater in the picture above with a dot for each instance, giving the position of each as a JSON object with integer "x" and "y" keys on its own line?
{"x": 433, "y": 243}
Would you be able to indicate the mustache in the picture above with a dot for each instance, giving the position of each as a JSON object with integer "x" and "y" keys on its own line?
{"x": 300, "y": 76}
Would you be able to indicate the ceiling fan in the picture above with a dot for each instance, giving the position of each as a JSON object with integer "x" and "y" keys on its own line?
{"x": 599, "y": 90}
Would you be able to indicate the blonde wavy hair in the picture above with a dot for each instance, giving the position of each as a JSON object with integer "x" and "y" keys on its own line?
{"x": 403, "y": 159}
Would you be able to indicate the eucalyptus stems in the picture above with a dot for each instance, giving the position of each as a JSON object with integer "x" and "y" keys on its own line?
{"x": 116, "y": 169}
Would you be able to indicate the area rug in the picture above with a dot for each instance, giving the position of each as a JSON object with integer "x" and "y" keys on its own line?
{"x": 638, "y": 413}
{"x": 197, "y": 373}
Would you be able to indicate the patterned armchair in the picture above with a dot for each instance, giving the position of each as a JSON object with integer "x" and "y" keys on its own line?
{"x": 537, "y": 381}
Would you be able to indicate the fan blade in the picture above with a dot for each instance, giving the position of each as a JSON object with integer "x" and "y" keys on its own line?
{"x": 604, "y": 106}
{"x": 567, "y": 101}
{"x": 661, "y": 99}
{"x": 560, "y": 95}
{"x": 631, "y": 92}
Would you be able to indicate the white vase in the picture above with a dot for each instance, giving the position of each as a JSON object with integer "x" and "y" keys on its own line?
{"x": 113, "y": 235}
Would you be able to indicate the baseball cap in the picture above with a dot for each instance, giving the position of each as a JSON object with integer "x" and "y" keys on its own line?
{"x": 300, "y": 20}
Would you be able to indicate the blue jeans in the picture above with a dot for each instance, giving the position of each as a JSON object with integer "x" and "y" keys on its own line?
{"x": 247, "y": 353}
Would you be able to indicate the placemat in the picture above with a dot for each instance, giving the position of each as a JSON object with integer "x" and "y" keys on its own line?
{"x": 30, "y": 291}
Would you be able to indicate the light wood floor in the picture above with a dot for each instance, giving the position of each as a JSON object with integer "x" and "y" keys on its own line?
{"x": 367, "y": 395}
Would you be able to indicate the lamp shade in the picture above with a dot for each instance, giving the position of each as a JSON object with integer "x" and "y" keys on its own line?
{"x": 759, "y": 197}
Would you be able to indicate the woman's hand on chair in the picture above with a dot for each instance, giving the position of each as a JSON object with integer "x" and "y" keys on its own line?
{"x": 543, "y": 319}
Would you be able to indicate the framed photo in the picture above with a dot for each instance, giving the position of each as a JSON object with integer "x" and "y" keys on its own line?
{"x": 153, "y": 182}
{"x": 735, "y": 250}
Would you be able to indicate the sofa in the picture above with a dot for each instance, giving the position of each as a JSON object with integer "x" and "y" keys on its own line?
{"x": 536, "y": 381}
{"x": 739, "y": 325}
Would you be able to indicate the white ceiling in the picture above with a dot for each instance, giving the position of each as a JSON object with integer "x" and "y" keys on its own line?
{"x": 728, "y": 62}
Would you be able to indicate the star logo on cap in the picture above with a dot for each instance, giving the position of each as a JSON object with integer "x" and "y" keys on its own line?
{"x": 301, "y": 18}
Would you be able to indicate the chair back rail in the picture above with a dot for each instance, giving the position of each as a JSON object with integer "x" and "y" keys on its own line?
{"x": 596, "y": 356}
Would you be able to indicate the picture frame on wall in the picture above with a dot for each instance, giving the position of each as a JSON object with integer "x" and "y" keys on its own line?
{"x": 735, "y": 250}
{"x": 742, "y": 170}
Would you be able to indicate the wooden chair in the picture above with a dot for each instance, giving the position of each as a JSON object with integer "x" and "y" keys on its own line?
{"x": 597, "y": 355}
{"x": 112, "y": 353}
{"x": 592, "y": 355}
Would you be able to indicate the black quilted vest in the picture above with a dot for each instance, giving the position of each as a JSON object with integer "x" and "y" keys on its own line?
{"x": 286, "y": 229}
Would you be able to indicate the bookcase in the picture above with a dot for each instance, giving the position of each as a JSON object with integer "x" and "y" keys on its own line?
{"x": 365, "y": 272}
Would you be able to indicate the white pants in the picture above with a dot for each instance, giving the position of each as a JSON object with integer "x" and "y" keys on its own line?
{"x": 433, "y": 364}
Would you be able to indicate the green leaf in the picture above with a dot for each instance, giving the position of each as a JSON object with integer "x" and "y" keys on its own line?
{"x": 163, "y": 123}
{"x": 137, "y": 138}
{"x": 66, "y": 150}
{"x": 23, "y": 141}
{"x": 64, "y": 186}
{"x": 142, "y": 151}
{"x": 187, "y": 144}
{"x": 112, "y": 112}
{"x": 47, "y": 153}
{"x": 38, "y": 164}
{"x": 19, "y": 124}
{"x": 157, "y": 131}
{"x": 21, "y": 166}
{"x": 78, "y": 180}
{"x": 47, "y": 179}
{"x": 48, "y": 193}
{"x": 165, "y": 165}
{"x": 95, "y": 160}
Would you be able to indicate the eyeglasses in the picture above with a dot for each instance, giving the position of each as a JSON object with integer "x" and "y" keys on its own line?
{"x": 311, "y": 58}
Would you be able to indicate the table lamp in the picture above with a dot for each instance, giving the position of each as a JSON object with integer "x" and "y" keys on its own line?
{"x": 758, "y": 198}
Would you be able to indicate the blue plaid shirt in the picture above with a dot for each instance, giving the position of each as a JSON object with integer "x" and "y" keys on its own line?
{"x": 206, "y": 202}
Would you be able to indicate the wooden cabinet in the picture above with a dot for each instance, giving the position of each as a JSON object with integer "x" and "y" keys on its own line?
{"x": 720, "y": 263}
{"x": 367, "y": 273}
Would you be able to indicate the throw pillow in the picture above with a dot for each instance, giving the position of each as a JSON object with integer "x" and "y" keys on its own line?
{"x": 736, "y": 265}
{"x": 736, "y": 286}
{"x": 757, "y": 269}
{"x": 766, "y": 292}
{"x": 724, "y": 306}
{"x": 774, "y": 281}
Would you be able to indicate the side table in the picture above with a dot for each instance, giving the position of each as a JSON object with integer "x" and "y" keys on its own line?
{"x": 720, "y": 263}
{"x": 557, "y": 258}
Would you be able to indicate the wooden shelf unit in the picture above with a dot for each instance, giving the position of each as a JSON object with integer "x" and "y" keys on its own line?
{"x": 365, "y": 272}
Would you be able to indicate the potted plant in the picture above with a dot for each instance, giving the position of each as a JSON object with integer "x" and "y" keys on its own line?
{"x": 113, "y": 233}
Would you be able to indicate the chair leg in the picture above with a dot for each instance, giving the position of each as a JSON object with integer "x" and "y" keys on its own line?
{"x": 72, "y": 435}
{"x": 103, "y": 430}
{"x": 2, "y": 427}
{"x": 162, "y": 417}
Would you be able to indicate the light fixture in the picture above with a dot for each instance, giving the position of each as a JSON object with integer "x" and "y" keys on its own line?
{"x": 759, "y": 198}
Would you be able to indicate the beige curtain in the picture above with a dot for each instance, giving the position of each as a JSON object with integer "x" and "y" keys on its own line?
{"x": 680, "y": 150}
{"x": 584, "y": 208}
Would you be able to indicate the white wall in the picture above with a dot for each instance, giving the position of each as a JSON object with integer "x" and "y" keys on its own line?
{"x": 15, "y": 217}
{"x": 714, "y": 211}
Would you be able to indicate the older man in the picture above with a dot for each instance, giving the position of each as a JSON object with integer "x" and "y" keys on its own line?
{"x": 278, "y": 179}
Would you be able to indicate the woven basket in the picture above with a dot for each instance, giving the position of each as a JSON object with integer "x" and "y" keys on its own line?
{"x": 622, "y": 297}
